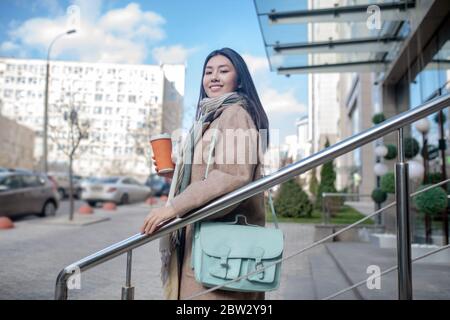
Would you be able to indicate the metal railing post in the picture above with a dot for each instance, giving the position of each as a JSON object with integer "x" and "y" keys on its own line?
{"x": 128, "y": 290}
{"x": 403, "y": 226}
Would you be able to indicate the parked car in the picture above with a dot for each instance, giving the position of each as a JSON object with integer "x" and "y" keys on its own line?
{"x": 23, "y": 193}
{"x": 121, "y": 190}
{"x": 159, "y": 185}
{"x": 63, "y": 181}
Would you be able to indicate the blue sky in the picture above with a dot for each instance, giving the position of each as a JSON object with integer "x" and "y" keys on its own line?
{"x": 148, "y": 32}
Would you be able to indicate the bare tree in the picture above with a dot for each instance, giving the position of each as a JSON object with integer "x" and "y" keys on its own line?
{"x": 141, "y": 138}
{"x": 69, "y": 138}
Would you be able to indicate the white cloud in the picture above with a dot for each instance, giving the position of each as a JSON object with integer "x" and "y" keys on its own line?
{"x": 256, "y": 64}
{"x": 132, "y": 22}
{"x": 276, "y": 102}
{"x": 120, "y": 35}
{"x": 173, "y": 54}
{"x": 8, "y": 46}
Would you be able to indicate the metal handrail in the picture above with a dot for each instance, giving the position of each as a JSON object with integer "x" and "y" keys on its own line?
{"x": 318, "y": 242}
{"x": 253, "y": 188}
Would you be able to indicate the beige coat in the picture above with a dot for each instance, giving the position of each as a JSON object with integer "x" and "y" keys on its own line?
{"x": 223, "y": 177}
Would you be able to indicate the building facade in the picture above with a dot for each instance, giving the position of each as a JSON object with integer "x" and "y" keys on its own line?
{"x": 16, "y": 145}
{"x": 122, "y": 104}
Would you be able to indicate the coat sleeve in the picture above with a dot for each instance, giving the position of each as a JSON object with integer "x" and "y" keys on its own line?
{"x": 233, "y": 165}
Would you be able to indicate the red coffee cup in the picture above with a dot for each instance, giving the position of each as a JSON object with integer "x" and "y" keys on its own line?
{"x": 162, "y": 150}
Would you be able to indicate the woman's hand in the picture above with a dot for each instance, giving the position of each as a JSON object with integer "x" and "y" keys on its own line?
{"x": 165, "y": 175}
{"x": 155, "y": 217}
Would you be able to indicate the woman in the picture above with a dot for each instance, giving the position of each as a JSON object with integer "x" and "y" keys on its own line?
{"x": 228, "y": 102}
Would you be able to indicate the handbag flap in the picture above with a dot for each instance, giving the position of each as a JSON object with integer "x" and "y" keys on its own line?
{"x": 244, "y": 241}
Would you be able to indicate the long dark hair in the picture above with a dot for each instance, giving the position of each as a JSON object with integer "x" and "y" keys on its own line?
{"x": 246, "y": 88}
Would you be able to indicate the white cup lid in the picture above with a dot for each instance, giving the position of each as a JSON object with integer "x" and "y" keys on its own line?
{"x": 161, "y": 136}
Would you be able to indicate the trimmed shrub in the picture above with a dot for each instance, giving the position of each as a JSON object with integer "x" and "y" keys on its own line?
{"x": 388, "y": 182}
{"x": 411, "y": 147}
{"x": 434, "y": 177}
{"x": 292, "y": 201}
{"x": 378, "y": 195}
{"x": 378, "y": 118}
{"x": 436, "y": 118}
{"x": 327, "y": 179}
{"x": 313, "y": 183}
{"x": 431, "y": 202}
{"x": 392, "y": 152}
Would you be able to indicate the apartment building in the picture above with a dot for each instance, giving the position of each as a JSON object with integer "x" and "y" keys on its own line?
{"x": 122, "y": 104}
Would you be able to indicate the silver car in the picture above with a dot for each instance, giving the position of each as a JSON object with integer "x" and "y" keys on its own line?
{"x": 24, "y": 193}
{"x": 121, "y": 190}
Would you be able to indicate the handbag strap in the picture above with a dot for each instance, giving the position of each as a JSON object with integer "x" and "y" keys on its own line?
{"x": 211, "y": 149}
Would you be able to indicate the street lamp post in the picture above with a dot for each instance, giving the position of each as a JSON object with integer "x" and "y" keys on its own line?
{"x": 47, "y": 78}
{"x": 423, "y": 126}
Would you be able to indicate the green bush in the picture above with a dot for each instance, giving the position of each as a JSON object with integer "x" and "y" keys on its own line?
{"x": 431, "y": 202}
{"x": 327, "y": 179}
{"x": 411, "y": 147}
{"x": 392, "y": 152}
{"x": 313, "y": 183}
{"x": 434, "y": 177}
{"x": 436, "y": 118}
{"x": 388, "y": 182}
{"x": 292, "y": 201}
{"x": 378, "y": 195}
{"x": 378, "y": 118}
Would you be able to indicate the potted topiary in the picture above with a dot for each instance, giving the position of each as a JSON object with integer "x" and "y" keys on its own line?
{"x": 388, "y": 182}
{"x": 378, "y": 118}
{"x": 379, "y": 196}
{"x": 430, "y": 203}
{"x": 392, "y": 152}
{"x": 411, "y": 147}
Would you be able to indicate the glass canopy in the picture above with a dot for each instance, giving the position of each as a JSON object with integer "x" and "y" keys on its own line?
{"x": 304, "y": 36}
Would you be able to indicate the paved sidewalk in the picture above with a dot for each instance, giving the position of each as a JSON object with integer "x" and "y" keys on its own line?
{"x": 35, "y": 251}
{"x": 33, "y": 254}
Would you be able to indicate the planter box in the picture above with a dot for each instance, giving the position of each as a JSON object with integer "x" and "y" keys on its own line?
{"x": 384, "y": 240}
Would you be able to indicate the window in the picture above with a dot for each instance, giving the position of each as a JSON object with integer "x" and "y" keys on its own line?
{"x": 120, "y": 98}
{"x": 108, "y": 110}
{"x": 97, "y": 110}
{"x": 7, "y": 93}
{"x": 127, "y": 181}
{"x": 132, "y": 99}
{"x": 98, "y": 97}
{"x": 12, "y": 182}
{"x": 30, "y": 181}
{"x": 20, "y": 94}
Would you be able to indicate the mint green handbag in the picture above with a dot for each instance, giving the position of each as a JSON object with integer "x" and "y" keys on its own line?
{"x": 223, "y": 251}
